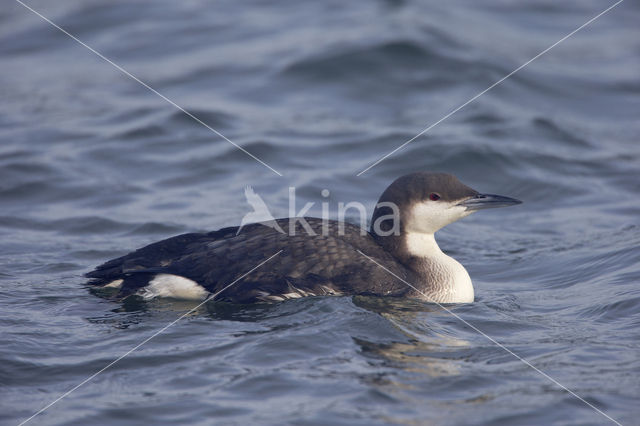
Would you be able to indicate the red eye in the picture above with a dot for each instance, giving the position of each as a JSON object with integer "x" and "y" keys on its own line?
{"x": 434, "y": 197}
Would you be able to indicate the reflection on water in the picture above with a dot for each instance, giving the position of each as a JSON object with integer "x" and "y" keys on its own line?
{"x": 423, "y": 352}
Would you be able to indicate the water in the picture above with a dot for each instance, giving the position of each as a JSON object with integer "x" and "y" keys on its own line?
{"x": 93, "y": 165}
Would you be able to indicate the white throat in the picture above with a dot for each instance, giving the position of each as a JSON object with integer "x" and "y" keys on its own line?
{"x": 447, "y": 280}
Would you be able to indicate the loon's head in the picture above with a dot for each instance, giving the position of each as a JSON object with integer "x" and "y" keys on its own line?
{"x": 407, "y": 215}
{"x": 426, "y": 202}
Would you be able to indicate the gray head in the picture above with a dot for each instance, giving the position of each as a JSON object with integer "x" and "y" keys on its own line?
{"x": 428, "y": 201}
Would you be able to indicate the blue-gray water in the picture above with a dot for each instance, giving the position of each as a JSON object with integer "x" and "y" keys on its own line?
{"x": 93, "y": 165}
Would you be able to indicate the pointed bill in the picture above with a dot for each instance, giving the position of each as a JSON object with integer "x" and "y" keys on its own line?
{"x": 488, "y": 201}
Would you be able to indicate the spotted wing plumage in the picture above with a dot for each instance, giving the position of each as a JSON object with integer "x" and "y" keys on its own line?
{"x": 322, "y": 264}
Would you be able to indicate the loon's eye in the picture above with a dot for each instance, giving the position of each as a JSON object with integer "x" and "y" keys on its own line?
{"x": 434, "y": 197}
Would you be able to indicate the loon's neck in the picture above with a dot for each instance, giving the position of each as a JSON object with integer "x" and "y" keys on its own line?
{"x": 445, "y": 279}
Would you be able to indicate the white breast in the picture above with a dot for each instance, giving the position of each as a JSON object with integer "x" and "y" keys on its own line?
{"x": 449, "y": 281}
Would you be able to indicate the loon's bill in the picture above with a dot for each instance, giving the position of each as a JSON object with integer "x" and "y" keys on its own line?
{"x": 489, "y": 201}
{"x": 324, "y": 262}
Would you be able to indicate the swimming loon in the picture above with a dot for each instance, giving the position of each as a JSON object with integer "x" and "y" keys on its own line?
{"x": 340, "y": 259}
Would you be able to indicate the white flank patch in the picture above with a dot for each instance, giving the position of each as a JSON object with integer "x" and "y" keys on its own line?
{"x": 173, "y": 286}
{"x": 113, "y": 284}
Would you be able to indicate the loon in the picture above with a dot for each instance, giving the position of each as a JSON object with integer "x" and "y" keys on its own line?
{"x": 317, "y": 256}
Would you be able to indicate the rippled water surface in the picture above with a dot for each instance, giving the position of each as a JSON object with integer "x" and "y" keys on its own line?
{"x": 93, "y": 165}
